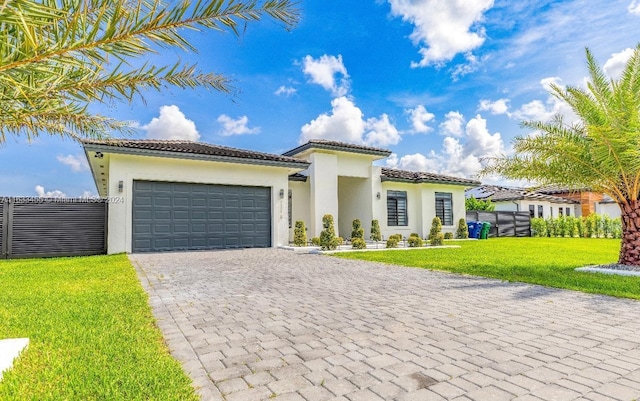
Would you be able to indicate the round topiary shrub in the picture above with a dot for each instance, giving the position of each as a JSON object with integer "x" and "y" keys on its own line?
{"x": 462, "y": 231}
{"x": 356, "y": 229}
{"x": 392, "y": 242}
{"x": 414, "y": 241}
{"x": 448, "y": 235}
{"x": 300, "y": 234}
{"x": 437, "y": 240}
{"x": 375, "y": 231}
{"x": 315, "y": 241}
{"x": 358, "y": 243}
{"x": 328, "y": 240}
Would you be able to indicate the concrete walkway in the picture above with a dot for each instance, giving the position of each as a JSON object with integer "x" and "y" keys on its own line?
{"x": 265, "y": 324}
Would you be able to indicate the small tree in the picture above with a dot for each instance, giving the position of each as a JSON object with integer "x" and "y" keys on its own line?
{"x": 472, "y": 203}
{"x": 328, "y": 239}
{"x": 375, "y": 231}
{"x": 356, "y": 230}
{"x": 435, "y": 235}
{"x": 300, "y": 234}
{"x": 463, "y": 230}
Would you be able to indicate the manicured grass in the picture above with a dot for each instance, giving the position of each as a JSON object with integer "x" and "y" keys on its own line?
{"x": 92, "y": 334}
{"x": 545, "y": 261}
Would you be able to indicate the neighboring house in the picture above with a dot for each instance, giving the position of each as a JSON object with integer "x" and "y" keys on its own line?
{"x": 590, "y": 202}
{"x": 178, "y": 195}
{"x": 608, "y": 207}
{"x": 522, "y": 199}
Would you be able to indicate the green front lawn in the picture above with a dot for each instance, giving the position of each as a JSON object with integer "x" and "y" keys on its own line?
{"x": 92, "y": 334}
{"x": 545, "y": 261}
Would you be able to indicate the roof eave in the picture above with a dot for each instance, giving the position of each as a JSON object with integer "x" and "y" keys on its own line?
{"x": 425, "y": 181}
{"x": 325, "y": 146}
{"x": 194, "y": 156}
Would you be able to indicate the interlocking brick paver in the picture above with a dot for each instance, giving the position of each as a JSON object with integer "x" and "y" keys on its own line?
{"x": 261, "y": 324}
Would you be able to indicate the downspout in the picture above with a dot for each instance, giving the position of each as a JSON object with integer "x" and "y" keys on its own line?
{"x": 517, "y": 205}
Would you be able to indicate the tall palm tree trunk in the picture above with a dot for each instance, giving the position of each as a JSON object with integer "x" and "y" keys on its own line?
{"x": 630, "y": 249}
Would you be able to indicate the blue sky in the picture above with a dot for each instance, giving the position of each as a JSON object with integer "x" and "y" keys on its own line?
{"x": 441, "y": 83}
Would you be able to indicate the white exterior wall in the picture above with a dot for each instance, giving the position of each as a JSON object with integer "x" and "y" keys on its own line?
{"x": 128, "y": 168}
{"x": 609, "y": 209}
{"x": 355, "y": 202}
{"x": 429, "y": 206}
{"x": 323, "y": 190}
{"x": 523, "y": 206}
{"x": 421, "y": 207}
{"x": 300, "y": 201}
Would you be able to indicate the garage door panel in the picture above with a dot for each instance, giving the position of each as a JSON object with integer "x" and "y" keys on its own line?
{"x": 182, "y": 216}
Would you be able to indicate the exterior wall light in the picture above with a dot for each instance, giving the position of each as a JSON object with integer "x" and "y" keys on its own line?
{"x": 282, "y": 194}
{"x": 378, "y": 195}
{"x": 120, "y": 186}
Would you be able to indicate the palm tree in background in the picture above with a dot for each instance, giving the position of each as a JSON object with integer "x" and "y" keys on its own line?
{"x": 59, "y": 56}
{"x": 600, "y": 151}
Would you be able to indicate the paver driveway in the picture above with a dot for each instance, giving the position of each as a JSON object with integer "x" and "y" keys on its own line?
{"x": 265, "y": 324}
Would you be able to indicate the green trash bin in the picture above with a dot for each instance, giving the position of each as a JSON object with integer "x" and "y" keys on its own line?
{"x": 484, "y": 231}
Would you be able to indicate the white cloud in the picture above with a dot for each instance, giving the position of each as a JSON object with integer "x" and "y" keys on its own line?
{"x": 547, "y": 82}
{"x": 500, "y": 106}
{"x": 616, "y": 63}
{"x": 49, "y": 194}
{"x": 420, "y": 117}
{"x": 323, "y": 72}
{"x": 171, "y": 124}
{"x": 537, "y": 110}
{"x": 462, "y": 157}
{"x": 77, "y": 163}
{"x": 442, "y": 28}
{"x": 346, "y": 123}
{"x": 235, "y": 127}
{"x": 381, "y": 132}
{"x": 634, "y": 7}
{"x": 285, "y": 90}
{"x": 453, "y": 124}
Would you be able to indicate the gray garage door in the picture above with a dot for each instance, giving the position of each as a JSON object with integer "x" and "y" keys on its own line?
{"x": 170, "y": 216}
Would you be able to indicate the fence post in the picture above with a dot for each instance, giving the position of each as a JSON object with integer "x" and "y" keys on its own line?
{"x": 7, "y": 227}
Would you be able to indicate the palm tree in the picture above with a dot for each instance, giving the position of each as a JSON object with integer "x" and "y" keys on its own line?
{"x": 58, "y": 56}
{"x": 600, "y": 151}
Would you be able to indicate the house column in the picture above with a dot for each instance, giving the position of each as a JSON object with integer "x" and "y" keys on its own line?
{"x": 323, "y": 186}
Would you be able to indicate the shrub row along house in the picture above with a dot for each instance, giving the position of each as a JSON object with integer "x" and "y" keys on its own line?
{"x": 181, "y": 195}
{"x": 546, "y": 202}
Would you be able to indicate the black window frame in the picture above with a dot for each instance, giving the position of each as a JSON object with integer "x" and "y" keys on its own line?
{"x": 444, "y": 199}
{"x": 397, "y": 215}
{"x": 540, "y": 211}
{"x": 568, "y": 212}
{"x": 532, "y": 211}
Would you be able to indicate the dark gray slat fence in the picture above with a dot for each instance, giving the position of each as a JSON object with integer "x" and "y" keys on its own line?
{"x": 503, "y": 223}
{"x": 34, "y": 227}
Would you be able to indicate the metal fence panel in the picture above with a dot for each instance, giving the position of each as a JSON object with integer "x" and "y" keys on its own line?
{"x": 503, "y": 223}
{"x": 53, "y": 227}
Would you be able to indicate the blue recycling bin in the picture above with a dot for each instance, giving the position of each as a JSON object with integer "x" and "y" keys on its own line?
{"x": 474, "y": 229}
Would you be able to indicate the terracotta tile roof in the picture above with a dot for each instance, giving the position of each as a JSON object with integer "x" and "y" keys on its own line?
{"x": 193, "y": 148}
{"x": 389, "y": 174}
{"x": 502, "y": 194}
{"x": 339, "y": 146}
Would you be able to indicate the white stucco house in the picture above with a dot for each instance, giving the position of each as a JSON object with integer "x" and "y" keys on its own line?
{"x": 181, "y": 195}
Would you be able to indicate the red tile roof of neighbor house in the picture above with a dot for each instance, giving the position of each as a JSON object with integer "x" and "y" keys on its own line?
{"x": 179, "y": 147}
{"x": 338, "y": 146}
{"x": 390, "y": 174}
